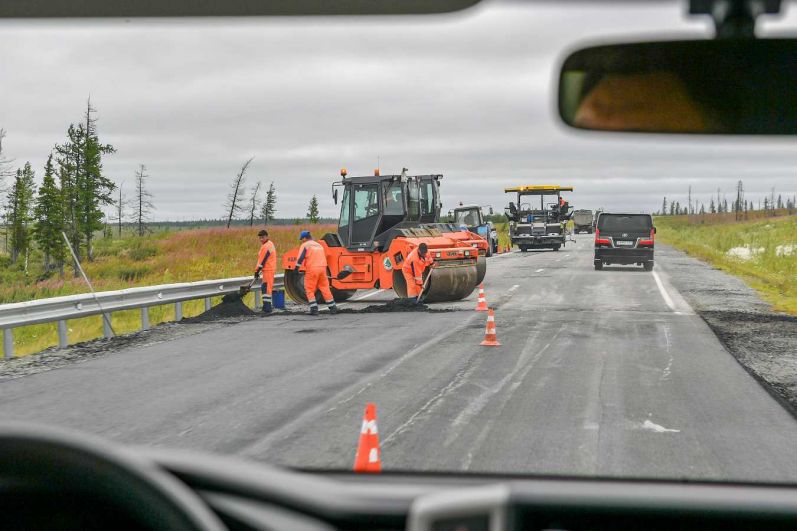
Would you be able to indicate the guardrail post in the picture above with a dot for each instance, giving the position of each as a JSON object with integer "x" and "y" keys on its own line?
{"x": 207, "y": 304}
{"x": 8, "y": 342}
{"x": 63, "y": 338}
{"x": 144, "y": 318}
{"x": 258, "y": 299}
{"x": 178, "y": 311}
{"x": 107, "y": 332}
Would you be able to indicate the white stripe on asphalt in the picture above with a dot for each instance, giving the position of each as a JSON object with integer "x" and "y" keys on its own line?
{"x": 664, "y": 294}
{"x": 367, "y": 295}
{"x": 513, "y": 288}
{"x": 540, "y": 270}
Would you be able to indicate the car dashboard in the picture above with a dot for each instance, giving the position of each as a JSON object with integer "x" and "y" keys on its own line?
{"x": 254, "y": 497}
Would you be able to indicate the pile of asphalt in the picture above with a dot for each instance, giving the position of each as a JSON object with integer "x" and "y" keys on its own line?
{"x": 761, "y": 340}
{"x": 231, "y": 306}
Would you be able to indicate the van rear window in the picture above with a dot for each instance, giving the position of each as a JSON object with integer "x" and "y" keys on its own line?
{"x": 631, "y": 222}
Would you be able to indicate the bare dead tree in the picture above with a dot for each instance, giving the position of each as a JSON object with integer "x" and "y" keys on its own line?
{"x": 233, "y": 205}
{"x": 143, "y": 199}
{"x": 254, "y": 203}
{"x": 120, "y": 209}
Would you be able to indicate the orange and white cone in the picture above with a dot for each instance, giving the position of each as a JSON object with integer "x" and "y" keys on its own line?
{"x": 482, "y": 305}
{"x": 368, "y": 458}
{"x": 490, "y": 338}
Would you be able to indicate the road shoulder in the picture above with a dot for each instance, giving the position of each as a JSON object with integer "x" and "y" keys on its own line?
{"x": 763, "y": 342}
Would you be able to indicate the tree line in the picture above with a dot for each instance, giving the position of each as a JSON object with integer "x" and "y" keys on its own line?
{"x": 739, "y": 204}
{"x": 70, "y": 200}
{"x": 75, "y": 190}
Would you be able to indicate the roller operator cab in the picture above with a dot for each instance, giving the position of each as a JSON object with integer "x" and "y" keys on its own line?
{"x": 472, "y": 217}
{"x": 624, "y": 239}
{"x": 538, "y": 218}
{"x": 382, "y": 219}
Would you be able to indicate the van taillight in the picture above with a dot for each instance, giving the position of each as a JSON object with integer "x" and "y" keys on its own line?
{"x": 647, "y": 242}
{"x": 599, "y": 240}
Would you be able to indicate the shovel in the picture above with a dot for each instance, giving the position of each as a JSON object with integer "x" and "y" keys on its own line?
{"x": 425, "y": 284}
{"x": 243, "y": 290}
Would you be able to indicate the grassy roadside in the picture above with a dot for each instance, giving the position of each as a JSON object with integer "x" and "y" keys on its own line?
{"x": 160, "y": 258}
{"x": 763, "y": 252}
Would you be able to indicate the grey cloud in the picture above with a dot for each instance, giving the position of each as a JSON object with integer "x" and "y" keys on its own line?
{"x": 468, "y": 96}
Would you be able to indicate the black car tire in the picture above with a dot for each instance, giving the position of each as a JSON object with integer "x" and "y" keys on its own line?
{"x": 556, "y": 247}
{"x": 523, "y": 248}
{"x": 648, "y": 266}
{"x": 598, "y": 265}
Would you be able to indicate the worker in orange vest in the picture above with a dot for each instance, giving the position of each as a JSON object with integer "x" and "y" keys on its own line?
{"x": 267, "y": 267}
{"x": 414, "y": 266}
{"x": 314, "y": 263}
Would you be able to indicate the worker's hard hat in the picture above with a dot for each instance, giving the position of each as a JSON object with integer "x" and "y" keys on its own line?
{"x": 304, "y": 234}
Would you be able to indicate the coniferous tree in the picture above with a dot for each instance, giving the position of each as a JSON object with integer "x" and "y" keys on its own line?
{"x": 94, "y": 189}
{"x": 702, "y": 208}
{"x": 49, "y": 216}
{"x": 312, "y": 210}
{"x": 664, "y": 206}
{"x": 712, "y": 207}
{"x": 20, "y": 205}
{"x": 270, "y": 205}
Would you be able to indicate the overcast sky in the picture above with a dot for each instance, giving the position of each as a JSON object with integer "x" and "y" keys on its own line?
{"x": 469, "y": 96}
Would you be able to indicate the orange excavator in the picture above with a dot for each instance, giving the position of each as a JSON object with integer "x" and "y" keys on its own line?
{"x": 382, "y": 219}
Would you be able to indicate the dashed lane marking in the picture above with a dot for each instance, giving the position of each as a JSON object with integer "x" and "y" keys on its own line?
{"x": 540, "y": 270}
{"x": 513, "y": 288}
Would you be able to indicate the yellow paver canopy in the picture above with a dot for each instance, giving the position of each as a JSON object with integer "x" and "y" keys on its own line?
{"x": 539, "y": 188}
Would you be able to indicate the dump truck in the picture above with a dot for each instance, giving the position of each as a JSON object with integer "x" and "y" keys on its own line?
{"x": 472, "y": 217}
{"x": 382, "y": 219}
{"x": 539, "y": 219}
{"x": 583, "y": 221}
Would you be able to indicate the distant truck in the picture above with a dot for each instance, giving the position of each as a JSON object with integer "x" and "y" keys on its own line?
{"x": 583, "y": 220}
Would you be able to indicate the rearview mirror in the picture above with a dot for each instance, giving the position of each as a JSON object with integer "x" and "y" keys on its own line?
{"x": 335, "y": 195}
{"x": 724, "y": 86}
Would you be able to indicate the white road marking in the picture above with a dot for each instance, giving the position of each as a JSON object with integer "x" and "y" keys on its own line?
{"x": 513, "y": 288}
{"x": 540, "y": 270}
{"x": 652, "y": 426}
{"x": 664, "y": 294}
{"x": 367, "y": 295}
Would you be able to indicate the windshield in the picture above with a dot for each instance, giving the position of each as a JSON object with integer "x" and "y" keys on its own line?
{"x": 469, "y": 218}
{"x": 180, "y": 169}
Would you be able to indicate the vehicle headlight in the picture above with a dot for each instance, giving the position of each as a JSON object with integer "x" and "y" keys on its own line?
{"x": 438, "y": 255}
{"x": 467, "y": 253}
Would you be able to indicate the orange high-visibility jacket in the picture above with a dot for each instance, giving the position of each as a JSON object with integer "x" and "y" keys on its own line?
{"x": 311, "y": 254}
{"x": 415, "y": 265}
{"x": 267, "y": 258}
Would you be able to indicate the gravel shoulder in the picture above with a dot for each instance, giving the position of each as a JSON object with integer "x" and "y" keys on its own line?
{"x": 764, "y": 342}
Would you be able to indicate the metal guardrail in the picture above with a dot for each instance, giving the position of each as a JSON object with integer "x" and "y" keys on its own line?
{"x": 60, "y": 309}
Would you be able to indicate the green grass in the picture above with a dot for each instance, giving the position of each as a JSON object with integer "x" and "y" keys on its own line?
{"x": 710, "y": 237}
{"x": 159, "y": 258}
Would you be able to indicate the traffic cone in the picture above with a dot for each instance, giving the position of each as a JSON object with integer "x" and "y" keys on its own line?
{"x": 368, "y": 458}
{"x": 482, "y": 305}
{"x": 490, "y": 339}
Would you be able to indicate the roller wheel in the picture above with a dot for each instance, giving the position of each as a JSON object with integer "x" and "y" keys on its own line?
{"x": 294, "y": 287}
{"x": 481, "y": 269}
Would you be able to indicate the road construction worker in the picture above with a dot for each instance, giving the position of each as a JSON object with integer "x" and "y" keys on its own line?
{"x": 313, "y": 262}
{"x": 414, "y": 266}
{"x": 267, "y": 267}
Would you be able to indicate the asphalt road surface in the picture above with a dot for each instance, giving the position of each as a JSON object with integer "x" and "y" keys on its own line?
{"x": 600, "y": 373}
